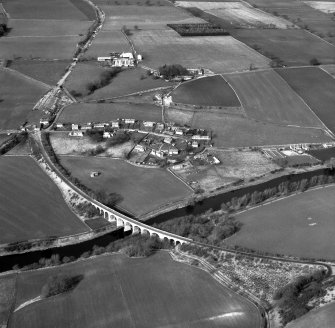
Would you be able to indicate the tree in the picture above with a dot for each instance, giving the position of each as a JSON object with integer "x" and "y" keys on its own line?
{"x": 171, "y": 71}
{"x": 315, "y": 62}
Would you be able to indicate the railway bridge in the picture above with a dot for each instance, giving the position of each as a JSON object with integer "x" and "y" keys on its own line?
{"x": 135, "y": 226}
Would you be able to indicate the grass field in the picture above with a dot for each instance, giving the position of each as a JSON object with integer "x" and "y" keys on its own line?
{"x": 120, "y": 292}
{"x": 18, "y": 96}
{"x": 209, "y": 91}
{"x": 323, "y": 317}
{"x": 39, "y": 28}
{"x": 46, "y": 9}
{"x": 92, "y": 112}
{"x": 300, "y": 225}
{"x": 217, "y": 53}
{"x": 48, "y": 72}
{"x": 293, "y": 47}
{"x": 238, "y": 14}
{"x": 106, "y": 42}
{"x": 7, "y": 297}
{"x": 265, "y": 96}
{"x": 133, "y": 2}
{"x": 58, "y": 47}
{"x": 317, "y": 88}
{"x": 301, "y": 14}
{"x": 330, "y": 69}
{"x": 126, "y": 82}
{"x": 327, "y": 7}
{"x": 143, "y": 189}
{"x": 145, "y": 17}
{"x": 31, "y": 204}
{"x": 234, "y": 131}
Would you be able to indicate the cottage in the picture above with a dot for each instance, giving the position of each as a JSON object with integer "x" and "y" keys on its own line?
{"x": 195, "y": 144}
{"x": 76, "y": 134}
{"x": 75, "y": 127}
{"x": 148, "y": 124}
{"x": 129, "y": 121}
{"x": 107, "y": 135}
{"x": 115, "y": 124}
{"x": 173, "y": 151}
{"x": 167, "y": 140}
{"x": 179, "y": 132}
{"x": 140, "y": 148}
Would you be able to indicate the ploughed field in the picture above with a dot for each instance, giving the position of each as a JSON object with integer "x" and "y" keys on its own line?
{"x": 31, "y": 205}
{"x": 301, "y": 225}
{"x": 18, "y": 96}
{"x": 117, "y": 291}
{"x": 266, "y": 96}
{"x": 317, "y": 88}
{"x": 93, "y": 112}
{"x": 208, "y": 91}
{"x": 143, "y": 189}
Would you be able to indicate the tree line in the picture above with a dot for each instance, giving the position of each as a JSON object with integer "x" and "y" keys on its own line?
{"x": 199, "y": 29}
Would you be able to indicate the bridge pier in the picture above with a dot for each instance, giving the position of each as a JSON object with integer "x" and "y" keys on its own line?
{"x": 136, "y": 230}
{"x": 111, "y": 218}
{"x": 127, "y": 227}
{"x": 119, "y": 222}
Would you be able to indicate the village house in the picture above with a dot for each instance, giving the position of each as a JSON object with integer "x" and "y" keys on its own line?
{"x": 129, "y": 121}
{"x": 59, "y": 125}
{"x": 160, "y": 126}
{"x": 100, "y": 125}
{"x": 167, "y": 140}
{"x": 107, "y": 135}
{"x": 74, "y": 127}
{"x": 195, "y": 144}
{"x": 204, "y": 136}
{"x": 86, "y": 127}
{"x": 115, "y": 124}
{"x": 44, "y": 121}
{"x": 76, "y": 134}
{"x": 173, "y": 151}
{"x": 148, "y": 124}
{"x": 179, "y": 132}
{"x": 140, "y": 148}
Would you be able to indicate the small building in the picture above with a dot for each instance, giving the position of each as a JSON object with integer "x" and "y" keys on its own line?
{"x": 179, "y": 132}
{"x": 148, "y": 124}
{"x": 76, "y": 134}
{"x": 104, "y": 59}
{"x": 94, "y": 174}
{"x": 213, "y": 160}
{"x": 86, "y": 127}
{"x": 59, "y": 125}
{"x": 139, "y": 148}
{"x": 139, "y": 58}
{"x": 44, "y": 121}
{"x": 129, "y": 121}
{"x": 107, "y": 135}
{"x": 100, "y": 125}
{"x": 115, "y": 124}
{"x": 160, "y": 126}
{"x": 195, "y": 144}
{"x": 201, "y": 137}
{"x": 74, "y": 127}
{"x": 167, "y": 140}
{"x": 173, "y": 151}
{"x": 157, "y": 153}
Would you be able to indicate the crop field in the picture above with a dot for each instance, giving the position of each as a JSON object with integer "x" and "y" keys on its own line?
{"x": 168, "y": 294}
{"x": 282, "y": 226}
{"x": 301, "y": 14}
{"x": 18, "y": 96}
{"x": 287, "y": 45}
{"x": 146, "y": 3}
{"x": 134, "y": 183}
{"x": 46, "y": 9}
{"x": 145, "y": 17}
{"x": 265, "y": 96}
{"x": 209, "y": 91}
{"x": 58, "y": 47}
{"x": 238, "y": 14}
{"x": 93, "y": 112}
{"x": 48, "y": 72}
{"x": 234, "y": 131}
{"x": 317, "y": 88}
{"x": 31, "y": 204}
{"x": 45, "y": 28}
{"x": 324, "y": 6}
{"x": 322, "y": 317}
{"x": 7, "y": 297}
{"x": 330, "y": 69}
{"x": 106, "y": 42}
{"x": 217, "y": 53}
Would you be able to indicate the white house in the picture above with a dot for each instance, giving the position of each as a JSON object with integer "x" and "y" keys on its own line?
{"x": 59, "y": 125}
{"x": 167, "y": 140}
{"x": 44, "y": 121}
{"x": 76, "y": 134}
{"x": 115, "y": 124}
{"x": 179, "y": 132}
{"x": 139, "y": 148}
{"x": 195, "y": 144}
{"x": 107, "y": 135}
{"x": 75, "y": 127}
{"x": 173, "y": 151}
{"x": 129, "y": 120}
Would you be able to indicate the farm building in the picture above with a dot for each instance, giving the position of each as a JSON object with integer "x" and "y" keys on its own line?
{"x": 195, "y": 144}
{"x": 167, "y": 140}
{"x": 124, "y": 59}
{"x": 76, "y": 134}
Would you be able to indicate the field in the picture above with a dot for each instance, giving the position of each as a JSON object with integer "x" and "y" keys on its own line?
{"x": 46, "y": 9}
{"x": 120, "y": 292}
{"x": 48, "y": 72}
{"x": 287, "y": 45}
{"x": 127, "y": 81}
{"x": 238, "y": 15}
{"x": 210, "y": 91}
{"x": 324, "y": 6}
{"x": 31, "y": 204}
{"x": 323, "y": 317}
{"x": 18, "y": 95}
{"x": 58, "y": 47}
{"x": 217, "y": 53}
{"x": 106, "y": 42}
{"x": 7, "y": 295}
{"x": 323, "y": 154}
{"x": 330, "y": 69}
{"x": 265, "y": 96}
{"x": 145, "y": 17}
{"x": 143, "y": 189}
{"x": 282, "y": 227}
{"x": 317, "y": 88}
{"x": 92, "y": 112}
{"x": 234, "y": 131}
{"x": 301, "y": 14}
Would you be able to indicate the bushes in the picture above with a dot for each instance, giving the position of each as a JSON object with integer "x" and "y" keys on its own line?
{"x": 118, "y": 139}
{"x": 105, "y": 79}
{"x": 198, "y": 29}
{"x": 13, "y": 141}
{"x": 60, "y": 284}
{"x": 171, "y": 71}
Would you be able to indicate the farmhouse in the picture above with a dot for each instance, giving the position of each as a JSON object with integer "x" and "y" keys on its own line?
{"x": 76, "y": 134}
{"x": 44, "y": 121}
{"x": 160, "y": 126}
{"x": 179, "y": 132}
